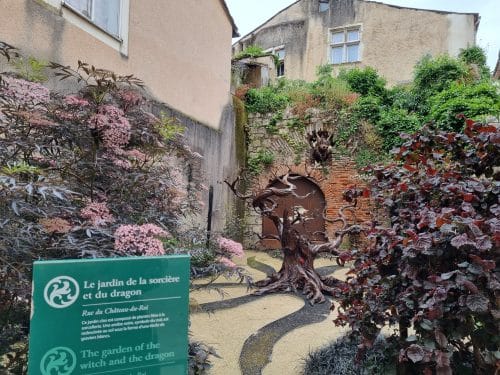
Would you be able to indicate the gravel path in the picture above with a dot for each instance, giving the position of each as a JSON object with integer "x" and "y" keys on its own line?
{"x": 269, "y": 334}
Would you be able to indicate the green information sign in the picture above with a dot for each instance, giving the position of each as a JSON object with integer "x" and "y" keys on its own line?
{"x": 124, "y": 316}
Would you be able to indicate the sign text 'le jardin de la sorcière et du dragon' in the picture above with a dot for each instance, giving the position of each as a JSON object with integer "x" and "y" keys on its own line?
{"x": 122, "y": 316}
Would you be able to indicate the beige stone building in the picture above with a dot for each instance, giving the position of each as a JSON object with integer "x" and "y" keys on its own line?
{"x": 180, "y": 49}
{"x": 185, "y": 64}
{"x": 357, "y": 33}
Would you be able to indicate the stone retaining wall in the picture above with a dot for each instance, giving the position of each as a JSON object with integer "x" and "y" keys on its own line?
{"x": 333, "y": 178}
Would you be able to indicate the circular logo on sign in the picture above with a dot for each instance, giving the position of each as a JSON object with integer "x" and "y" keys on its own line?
{"x": 61, "y": 292}
{"x": 58, "y": 361}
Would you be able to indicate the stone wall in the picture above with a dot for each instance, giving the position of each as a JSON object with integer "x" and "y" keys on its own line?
{"x": 332, "y": 178}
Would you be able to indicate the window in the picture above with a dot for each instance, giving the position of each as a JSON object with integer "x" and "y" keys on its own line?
{"x": 280, "y": 53}
{"x": 103, "y": 13}
{"x": 280, "y": 68}
{"x": 324, "y": 5}
{"x": 345, "y": 45}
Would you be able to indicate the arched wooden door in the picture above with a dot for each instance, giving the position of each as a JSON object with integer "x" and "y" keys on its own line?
{"x": 314, "y": 227}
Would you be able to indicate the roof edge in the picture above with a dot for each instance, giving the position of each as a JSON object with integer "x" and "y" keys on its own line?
{"x": 263, "y": 23}
{"x": 476, "y": 15}
{"x": 231, "y": 19}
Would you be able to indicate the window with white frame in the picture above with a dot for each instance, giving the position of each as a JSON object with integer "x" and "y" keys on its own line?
{"x": 279, "y": 52}
{"x": 280, "y": 68}
{"x": 345, "y": 45}
{"x": 103, "y": 13}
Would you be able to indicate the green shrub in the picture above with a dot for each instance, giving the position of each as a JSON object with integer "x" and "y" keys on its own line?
{"x": 330, "y": 91}
{"x": 395, "y": 121}
{"x": 367, "y": 108}
{"x": 474, "y": 101}
{"x": 295, "y": 90}
{"x": 403, "y": 97}
{"x": 266, "y": 99}
{"x": 432, "y": 75}
{"x": 333, "y": 93}
{"x": 364, "y": 81}
{"x": 475, "y": 55}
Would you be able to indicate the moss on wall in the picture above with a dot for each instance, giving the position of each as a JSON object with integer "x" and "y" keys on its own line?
{"x": 240, "y": 144}
{"x": 241, "y": 120}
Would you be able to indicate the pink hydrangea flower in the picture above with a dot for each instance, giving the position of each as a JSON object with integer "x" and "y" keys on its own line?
{"x": 25, "y": 92}
{"x": 140, "y": 239}
{"x": 231, "y": 247}
{"x": 76, "y": 101}
{"x": 112, "y": 125}
{"x": 227, "y": 262}
{"x": 97, "y": 213}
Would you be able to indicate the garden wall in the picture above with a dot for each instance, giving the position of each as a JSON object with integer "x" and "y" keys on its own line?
{"x": 285, "y": 137}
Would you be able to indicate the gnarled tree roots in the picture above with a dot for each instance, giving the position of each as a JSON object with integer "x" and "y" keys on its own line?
{"x": 294, "y": 277}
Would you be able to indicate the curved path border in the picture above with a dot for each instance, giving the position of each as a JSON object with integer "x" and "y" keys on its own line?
{"x": 257, "y": 349}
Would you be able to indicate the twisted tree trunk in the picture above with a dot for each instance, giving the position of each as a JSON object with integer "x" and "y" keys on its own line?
{"x": 297, "y": 271}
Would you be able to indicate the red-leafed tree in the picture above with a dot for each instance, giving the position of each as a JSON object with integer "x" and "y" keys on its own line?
{"x": 297, "y": 271}
{"x": 435, "y": 269}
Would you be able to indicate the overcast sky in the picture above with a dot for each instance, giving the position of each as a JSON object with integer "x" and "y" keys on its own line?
{"x": 249, "y": 14}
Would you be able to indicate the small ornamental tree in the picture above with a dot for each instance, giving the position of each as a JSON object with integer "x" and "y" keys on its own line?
{"x": 299, "y": 252}
{"x": 433, "y": 272}
{"x": 94, "y": 174}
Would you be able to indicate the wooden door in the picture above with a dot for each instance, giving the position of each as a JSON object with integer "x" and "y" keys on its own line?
{"x": 313, "y": 228}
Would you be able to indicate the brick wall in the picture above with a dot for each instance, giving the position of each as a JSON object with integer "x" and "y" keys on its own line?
{"x": 333, "y": 179}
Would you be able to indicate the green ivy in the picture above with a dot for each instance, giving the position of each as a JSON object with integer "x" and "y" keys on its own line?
{"x": 296, "y": 124}
{"x": 475, "y": 55}
{"x": 257, "y": 163}
{"x": 395, "y": 121}
{"x": 272, "y": 126}
{"x": 367, "y": 108}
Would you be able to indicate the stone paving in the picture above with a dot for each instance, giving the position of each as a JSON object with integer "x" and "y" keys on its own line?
{"x": 271, "y": 334}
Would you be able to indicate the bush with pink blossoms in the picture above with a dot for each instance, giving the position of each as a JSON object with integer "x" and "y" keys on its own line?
{"x": 24, "y": 92}
{"x": 140, "y": 239}
{"x": 230, "y": 247}
{"x": 227, "y": 262}
{"x": 100, "y": 147}
{"x": 113, "y": 127}
{"x": 129, "y": 99}
{"x": 74, "y": 100}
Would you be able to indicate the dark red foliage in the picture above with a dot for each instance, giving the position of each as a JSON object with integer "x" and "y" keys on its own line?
{"x": 435, "y": 267}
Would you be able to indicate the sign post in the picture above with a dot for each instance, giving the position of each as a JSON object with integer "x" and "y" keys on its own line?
{"x": 123, "y": 316}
